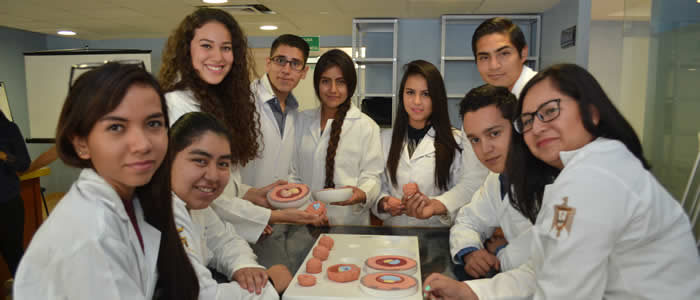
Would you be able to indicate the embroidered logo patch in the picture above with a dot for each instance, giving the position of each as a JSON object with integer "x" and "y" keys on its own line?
{"x": 563, "y": 217}
{"x": 182, "y": 238}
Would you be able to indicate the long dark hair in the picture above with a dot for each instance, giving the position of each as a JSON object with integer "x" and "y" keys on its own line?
{"x": 335, "y": 58}
{"x": 231, "y": 100}
{"x": 445, "y": 144}
{"x": 93, "y": 95}
{"x": 527, "y": 174}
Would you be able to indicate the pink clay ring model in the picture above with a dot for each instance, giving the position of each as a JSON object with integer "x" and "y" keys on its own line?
{"x": 391, "y": 263}
{"x": 326, "y": 241}
{"x": 314, "y": 266}
{"x": 389, "y": 285}
{"x": 291, "y": 195}
{"x": 306, "y": 280}
{"x": 343, "y": 272}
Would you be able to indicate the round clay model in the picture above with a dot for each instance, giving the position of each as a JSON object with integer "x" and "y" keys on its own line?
{"x": 343, "y": 272}
{"x": 388, "y": 281}
{"x": 321, "y": 252}
{"x": 409, "y": 189}
{"x": 316, "y": 207}
{"x": 289, "y": 195}
{"x": 391, "y": 263}
{"x": 314, "y": 266}
{"x": 306, "y": 280}
{"x": 326, "y": 241}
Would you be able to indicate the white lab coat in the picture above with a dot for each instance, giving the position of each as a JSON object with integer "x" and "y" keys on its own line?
{"x": 88, "y": 249}
{"x": 525, "y": 75}
{"x": 629, "y": 238}
{"x": 358, "y": 160}
{"x": 487, "y": 210}
{"x": 249, "y": 219}
{"x": 209, "y": 241}
{"x": 273, "y": 163}
{"x": 420, "y": 168}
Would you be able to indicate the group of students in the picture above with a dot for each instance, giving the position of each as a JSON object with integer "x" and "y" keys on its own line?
{"x": 176, "y": 171}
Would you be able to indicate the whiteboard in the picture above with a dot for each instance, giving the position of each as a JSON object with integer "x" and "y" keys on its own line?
{"x": 4, "y": 103}
{"x": 47, "y": 75}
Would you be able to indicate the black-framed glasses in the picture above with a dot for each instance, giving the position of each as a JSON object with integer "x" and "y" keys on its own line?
{"x": 76, "y": 70}
{"x": 546, "y": 112}
{"x": 295, "y": 64}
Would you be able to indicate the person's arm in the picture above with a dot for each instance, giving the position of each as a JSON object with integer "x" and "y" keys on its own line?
{"x": 584, "y": 239}
{"x": 517, "y": 251}
{"x": 473, "y": 174}
{"x": 16, "y": 154}
{"x": 516, "y": 284}
{"x": 249, "y": 219}
{"x": 43, "y": 160}
{"x": 371, "y": 165}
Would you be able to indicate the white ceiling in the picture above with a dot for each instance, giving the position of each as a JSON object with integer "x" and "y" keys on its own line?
{"x": 114, "y": 19}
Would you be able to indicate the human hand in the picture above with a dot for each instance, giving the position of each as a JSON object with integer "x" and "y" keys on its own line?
{"x": 421, "y": 207}
{"x": 391, "y": 205}
{"x": 259, "y": 195}
{"x": 480, "y": 262}
{"x": 358, "y": 196}
{"x": 296, "y": 216}
{"x": 495, "y": 242}
{"x": 3, "y": 155}
{"x": 438, "y": 286}
{"x": 251, "y": 279}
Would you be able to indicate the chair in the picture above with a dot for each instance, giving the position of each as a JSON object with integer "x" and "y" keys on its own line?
{"x": 694, "y": 208}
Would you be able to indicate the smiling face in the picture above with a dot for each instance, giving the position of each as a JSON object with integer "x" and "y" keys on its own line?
{"x": 498, "y": 61}
{"x": 332, "y": 88}
{"x": 201, "y": 171}
{"x": 127, "y": 145}
{"x": 564, "y": 133}
{"x": 283, "y": 78}
{"x": 212, "y": 53}
{"x": 417, "y": 101}
{"x": 489, "y": 134}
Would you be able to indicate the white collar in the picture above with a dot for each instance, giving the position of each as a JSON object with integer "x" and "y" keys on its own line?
{"x": 525, "y": 75}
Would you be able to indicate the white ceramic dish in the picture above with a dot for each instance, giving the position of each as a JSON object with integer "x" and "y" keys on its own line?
{"x": 333, "y": 195}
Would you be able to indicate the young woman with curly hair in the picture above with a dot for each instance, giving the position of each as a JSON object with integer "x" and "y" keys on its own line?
{"x": 206, "y": 68}
{"x": 337, "y": 145}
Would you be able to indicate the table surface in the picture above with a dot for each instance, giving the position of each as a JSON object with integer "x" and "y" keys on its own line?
{"x": 289, "y": 244}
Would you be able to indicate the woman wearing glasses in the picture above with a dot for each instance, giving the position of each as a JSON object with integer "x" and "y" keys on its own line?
{"x": 605, "y": 228}
{"x": 337, "y": 145}
{"x": 206, "y": 68}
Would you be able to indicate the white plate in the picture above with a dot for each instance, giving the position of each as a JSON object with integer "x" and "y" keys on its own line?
{"x": 333, "y": 195}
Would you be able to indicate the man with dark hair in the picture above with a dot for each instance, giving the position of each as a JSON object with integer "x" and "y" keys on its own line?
{"x": 501, "y": 51}
{"x": 487, "y": 114}
{"x": 278, "y": 109}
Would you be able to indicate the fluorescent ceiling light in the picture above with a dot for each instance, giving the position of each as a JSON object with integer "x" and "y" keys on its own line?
{"x": 66, "y": 32}
{"x": 215, "y": 1}
{"x": 268, "y": 27}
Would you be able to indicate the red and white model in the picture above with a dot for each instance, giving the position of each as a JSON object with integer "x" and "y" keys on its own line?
{"x": 290, "y": 195}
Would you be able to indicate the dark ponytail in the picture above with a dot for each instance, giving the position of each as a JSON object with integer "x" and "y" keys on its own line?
{"x": 335, "y": 58}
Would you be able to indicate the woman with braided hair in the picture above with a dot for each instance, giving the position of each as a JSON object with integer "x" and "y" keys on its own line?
{"x": 337, "y": 145}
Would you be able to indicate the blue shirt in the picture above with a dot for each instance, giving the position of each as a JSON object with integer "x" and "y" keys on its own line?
{"x": 281, "y": 116}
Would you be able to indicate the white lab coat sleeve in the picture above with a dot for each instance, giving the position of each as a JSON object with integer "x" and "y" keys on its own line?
{"x": 93, "y": 271}
{"x": 230, "y": 251}
{"x": 371, "y": 167}
{"x": 516, "y": 284}
{"x": 517, "y": 252}
{"x": 385, "y": 192}
{"x": 573, "y": 264}
{"x": 249, "y": 219}
{"x": 231, "y": 290}
{"x": 472, "y": 177}
{"x": 476, "y": 220}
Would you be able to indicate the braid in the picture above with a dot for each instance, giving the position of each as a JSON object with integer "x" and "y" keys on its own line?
{"x": 336, "y": 128}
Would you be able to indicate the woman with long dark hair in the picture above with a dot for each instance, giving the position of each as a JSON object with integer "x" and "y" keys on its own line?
{"x": 112, "y": 236}
{"x": 423, "y": 148}
{"x": 206, "y": 67}
{"x": 605, "y": 219}
{"x": 337, "y": 145}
